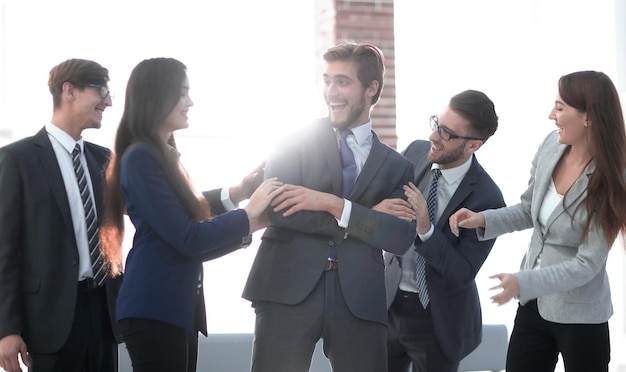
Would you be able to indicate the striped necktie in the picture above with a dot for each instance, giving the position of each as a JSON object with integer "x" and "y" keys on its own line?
{"x": 98, "y": 266}
{"x": 420, "y": 275}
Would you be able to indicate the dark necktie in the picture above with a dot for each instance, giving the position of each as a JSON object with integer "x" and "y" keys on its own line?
{"x": 348, "y": 166}
{"x": 431, "y": 203}
{"x": 91, "y": 221}
{"x": 347, "y": 163}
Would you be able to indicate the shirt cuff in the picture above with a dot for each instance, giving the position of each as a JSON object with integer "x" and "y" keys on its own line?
{"x": 428, "y": 234}
{"x": 345, "y": 215}
{"x": 226, "y": 202}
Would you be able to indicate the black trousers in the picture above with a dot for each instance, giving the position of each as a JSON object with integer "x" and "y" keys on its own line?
{"x": 411, "y": 338}
{"x": 90, "y": 346}
{"x": 536, "y": 343}
{"x": 157, "y": 346}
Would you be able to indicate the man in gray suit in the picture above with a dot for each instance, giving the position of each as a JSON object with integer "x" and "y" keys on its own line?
{"x": 319, "y": 271}
{"x": 435, "y": 318}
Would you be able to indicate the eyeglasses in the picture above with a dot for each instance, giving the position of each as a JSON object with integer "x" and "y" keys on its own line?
{"x": 444, "y": 133}
{"x": 103, "y": 91}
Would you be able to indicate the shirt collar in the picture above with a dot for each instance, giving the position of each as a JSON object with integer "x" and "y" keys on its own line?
{"x": 456, "y": 174}
{"x": 63, "y": 138}
{"x": 361, "y": 133}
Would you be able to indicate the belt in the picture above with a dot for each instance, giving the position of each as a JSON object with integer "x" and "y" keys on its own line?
{"x": 331, "y": 265}
{"x": 87, "y": 284}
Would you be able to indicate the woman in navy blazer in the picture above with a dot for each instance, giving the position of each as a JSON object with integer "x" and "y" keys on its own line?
{"x": 160, "y": 307}
{"x": 576, "y": 205}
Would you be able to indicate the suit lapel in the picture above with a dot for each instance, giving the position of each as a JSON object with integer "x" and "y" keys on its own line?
{"x": 330, "y": 148}
{"x": 375, "y": 159}
{"x": 465, "y": 188}
{"x": 49, "y": 164}
{"x": 95, "y": 172}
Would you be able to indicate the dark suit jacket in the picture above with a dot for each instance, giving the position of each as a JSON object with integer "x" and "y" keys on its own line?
{"x": 165, "y": 262}
{"x": 294, "y": 249}
{"x": 452, "y": 262}
{"x": 38, "y": 252}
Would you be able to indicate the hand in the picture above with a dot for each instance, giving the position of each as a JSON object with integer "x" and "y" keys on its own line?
{"x": 418, "y": 203}
{"x": 260, "y": 199}
{"x": 248, "y": 184}
{"x": 10, "y": 347}
{"x": 396, "y": 207}
{"x": 466, "y": 219}
{"x": 295, "y": 198}
{"x": 509, "y": 286}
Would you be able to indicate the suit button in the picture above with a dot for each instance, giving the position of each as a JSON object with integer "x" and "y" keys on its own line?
{"x": 331, "y": 243}
{"x": 74, "y": 262}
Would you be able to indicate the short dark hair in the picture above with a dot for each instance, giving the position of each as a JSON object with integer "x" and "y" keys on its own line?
{"x": 479, "y": 110}
{"x": 78, "y": 72}
{"x": 368, "y": 57}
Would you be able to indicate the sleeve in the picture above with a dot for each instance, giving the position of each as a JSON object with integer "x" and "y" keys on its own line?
{"x": 11, "y": 321}
{"x": 151, "y": 199}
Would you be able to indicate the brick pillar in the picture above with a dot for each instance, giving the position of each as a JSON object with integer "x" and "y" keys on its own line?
{"x": 368, "y": 21}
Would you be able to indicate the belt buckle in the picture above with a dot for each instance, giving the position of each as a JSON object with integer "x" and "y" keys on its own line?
{"x": 91, "y": 284}
{"x": 331, "y": 265}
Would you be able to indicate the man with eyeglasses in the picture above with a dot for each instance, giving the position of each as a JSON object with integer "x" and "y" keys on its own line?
{"x": 53, "y": 311}
{"x": 434, "y": 310}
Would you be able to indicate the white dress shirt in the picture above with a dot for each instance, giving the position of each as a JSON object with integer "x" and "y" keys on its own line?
{"x": 448, "y": 184}
{"x": 63, "y": 145}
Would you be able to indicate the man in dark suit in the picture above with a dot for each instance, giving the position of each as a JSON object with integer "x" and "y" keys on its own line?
{"x": 435, "y": 325}
{"x": 56, "y": 306}
{"x": 319, "y": 271}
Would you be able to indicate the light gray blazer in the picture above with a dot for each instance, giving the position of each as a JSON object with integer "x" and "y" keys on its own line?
{"x": 571, "y": 286}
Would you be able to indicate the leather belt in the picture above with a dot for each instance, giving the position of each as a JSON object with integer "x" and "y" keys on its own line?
{"x": 331, "y": 265}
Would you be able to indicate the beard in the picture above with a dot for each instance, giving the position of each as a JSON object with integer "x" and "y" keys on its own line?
{"x": 448, "y": 156}
{"x": 355, "y": 112}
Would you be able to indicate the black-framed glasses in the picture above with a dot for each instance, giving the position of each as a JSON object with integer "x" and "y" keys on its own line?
{"x": 103, "y": 91}
{"x": 445, "y": 134}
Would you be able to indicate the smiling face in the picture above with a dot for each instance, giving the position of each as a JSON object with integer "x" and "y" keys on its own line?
{"x": 89, "y": 106}
{"x": 456, "y": 151}
{"x": 177, "y": 118}
{"x": 348, "y": 101}
{"x": 570, "y": 122}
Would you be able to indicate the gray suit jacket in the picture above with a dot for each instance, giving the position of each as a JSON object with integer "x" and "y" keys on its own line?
{"x": 294, "y": 249}
{"x": 571, "y": 285}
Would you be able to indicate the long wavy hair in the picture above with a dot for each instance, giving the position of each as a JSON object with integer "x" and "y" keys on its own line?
{"x": 152, "y": 92}
{"x": 593, "y": 93}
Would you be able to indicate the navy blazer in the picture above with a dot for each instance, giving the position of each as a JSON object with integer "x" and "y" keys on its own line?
{"x": 294, "y": 249}
{"x": 161, "y": 278}
{"x": 38, "y": 251}
{"x": 452, "y": 262}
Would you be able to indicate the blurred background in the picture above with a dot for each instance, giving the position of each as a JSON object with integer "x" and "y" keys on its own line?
{"x": 254, "y": 66}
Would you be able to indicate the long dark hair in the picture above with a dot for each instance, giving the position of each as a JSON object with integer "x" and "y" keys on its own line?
{"x": 152, "y": 92}
{"x": 593, "y": 93}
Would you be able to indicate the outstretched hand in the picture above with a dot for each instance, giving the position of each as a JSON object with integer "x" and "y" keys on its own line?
{"x": 259, "y": 201}
{"x": 466, "y": 219}
{"x": 509, "y": 285}
{"x": 248, "y": 185}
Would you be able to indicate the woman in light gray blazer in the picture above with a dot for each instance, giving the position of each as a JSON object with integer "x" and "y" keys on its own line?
{"x": 576, "y": 205}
